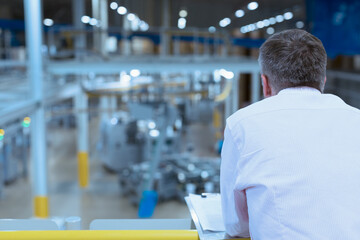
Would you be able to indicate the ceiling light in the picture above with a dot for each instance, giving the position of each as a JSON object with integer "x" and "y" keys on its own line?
{"x": 93, "y": 22}
{"x": 239, "y": 13}
{"x": 131, "y": 17}
{"x": 122, "y": 10}
{"x": 114, "y": 121}
{"x": 244, "y": 29}
{"x": 144, "y": 26}
{"x": 151, "y": 125}
{"x": 300, "y": 24}
{"x": 113, "y": 5}
{"x": 224, "y": 22}
{"x": 272, "y": 20}
{"x": 252, "y": 6}
{"x": 85, "y": 19}
{"x": 154, "y": 133}
{"x": 279, "y": 18}
{"x": 183, "y": 13}
{"x": 212, "y": 29}
{"x": 288, "y": 15}
{"x": 266, "y": 22}
{"x": 181, "y": 23}
{"x": 48, "y": 22}
{"x": 270, "y": 30}
{"x": 135, "y": 72}
{"x": 260, "y": 24}
{"x": 252, "y": 27}
{"x": 226, "y": 74}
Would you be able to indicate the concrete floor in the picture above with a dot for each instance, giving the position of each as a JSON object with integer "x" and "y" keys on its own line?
{"x": 101, "y": 200}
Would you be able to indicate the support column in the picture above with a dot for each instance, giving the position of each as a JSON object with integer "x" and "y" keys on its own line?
{"x": 113, "y": 102}
{"x": 165, "y": 39}
{"x": 255, "y": 87}
{"x": 81, "y": 102}
{"x": 126, "y": 43}
{"x": 176, "y": 46}
{"x": 100, "y": 13}
{"x": 235, "y": 92}
{"x": 33, "y": 27}
{"x": 228, "y": 103}
{"x": 78, "y": 7}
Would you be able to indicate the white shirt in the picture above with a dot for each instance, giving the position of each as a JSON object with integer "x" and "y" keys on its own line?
{"x": 291, "y": 168}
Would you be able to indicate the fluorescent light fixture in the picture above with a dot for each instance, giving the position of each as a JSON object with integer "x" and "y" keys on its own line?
{"x": 135, "y": 23}
{"x": 226, "y": 74}
{"x": 272, "y": 20}
{"x": 266, "y": 22}
{"x": 144, "y": 26}
{"x": 113, "y": 5}
{"x": 181, "y": 23}
{"x": 288, "y": 15}
{"x": 239, "y": 13}
{"x": 85, "y": 19}
{"x": 183, "y": 13}
{"x": 135, "y": 72}
{"x": 212, "y": 29}
{"x": 131, "y": 17}
{"x": 122, "y": 10}
{"x": 279, "y": 18}
{"x": 151, "y": 125}
{"x": 299, "y": 24}
{"x": 244, "y": 29}
{"x": 270, "y": 30}
{"x": 225, "y": 22}
{"x": 48, "y": 22}
{"x": 154, "y": 133}
{"x": 93, "y": 22}
{"x": 252, "y": 6}
{"x": 260, "y": 24}
{"x": 252, "y": 27}
{"x": 114, "y": 121}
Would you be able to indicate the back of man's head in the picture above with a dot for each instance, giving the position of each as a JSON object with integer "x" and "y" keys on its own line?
{"x": 293, "y": 58}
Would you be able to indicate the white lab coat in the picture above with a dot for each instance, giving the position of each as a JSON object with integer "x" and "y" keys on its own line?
{"x": 291, "y": 168}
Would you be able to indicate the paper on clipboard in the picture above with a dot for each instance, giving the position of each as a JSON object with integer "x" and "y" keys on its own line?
{"x": 208, "y": 210}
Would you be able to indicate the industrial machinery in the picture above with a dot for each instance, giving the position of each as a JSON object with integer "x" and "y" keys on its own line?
{"x": 176, "y": 177}
{"x": 144, "y": 142}
{"x": 14, "y": 151}
{"x": 127, "y": 138}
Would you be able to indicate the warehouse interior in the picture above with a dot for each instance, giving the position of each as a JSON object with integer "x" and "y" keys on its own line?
{"x": 115, "y": 109}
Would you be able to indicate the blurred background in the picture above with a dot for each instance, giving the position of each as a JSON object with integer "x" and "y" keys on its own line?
{"x": 116, "y": 108}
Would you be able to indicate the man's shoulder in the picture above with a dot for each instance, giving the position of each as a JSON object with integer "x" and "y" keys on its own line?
{"x": 276, "y": 103}
{"x": 265, "y": 105}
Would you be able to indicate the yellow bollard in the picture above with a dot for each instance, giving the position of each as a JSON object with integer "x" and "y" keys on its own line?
{"x": 216, "y": 118}
{"x": 83, "y": 169}
{"x": 41, "y": 206}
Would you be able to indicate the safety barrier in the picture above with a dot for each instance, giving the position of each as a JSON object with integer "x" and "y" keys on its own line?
{"x": 101, "y": 235}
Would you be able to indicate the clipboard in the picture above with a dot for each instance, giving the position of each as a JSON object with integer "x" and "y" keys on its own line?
{"x": 205, "y": 234}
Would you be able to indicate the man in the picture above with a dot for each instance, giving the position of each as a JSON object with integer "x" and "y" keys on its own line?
{"x": 291, "y": 162}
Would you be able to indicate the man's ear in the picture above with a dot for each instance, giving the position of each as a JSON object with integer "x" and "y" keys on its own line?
{"x": 266, "y": 86}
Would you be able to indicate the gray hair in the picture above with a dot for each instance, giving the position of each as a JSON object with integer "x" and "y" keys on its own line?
{"x": 293, "y": 58}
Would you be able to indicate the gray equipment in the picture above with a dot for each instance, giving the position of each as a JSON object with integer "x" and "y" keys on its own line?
{"x": 122, "y": 142}
{"x": 175, "y": 178}
{"x": 126, "y": 140}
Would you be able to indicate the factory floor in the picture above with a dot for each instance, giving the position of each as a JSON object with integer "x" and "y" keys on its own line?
{"x": 102, "y": 199}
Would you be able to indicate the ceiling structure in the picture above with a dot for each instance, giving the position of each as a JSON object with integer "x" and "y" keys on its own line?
{"x": 200, "y": 13}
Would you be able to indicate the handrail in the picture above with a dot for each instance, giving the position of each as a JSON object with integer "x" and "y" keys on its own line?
{"x": 101, "y": 235}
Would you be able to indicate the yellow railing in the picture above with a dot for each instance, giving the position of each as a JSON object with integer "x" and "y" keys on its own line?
{"x": 101, "y": 235}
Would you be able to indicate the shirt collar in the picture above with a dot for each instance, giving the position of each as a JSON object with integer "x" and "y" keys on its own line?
{"x": 303, "y": 90}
